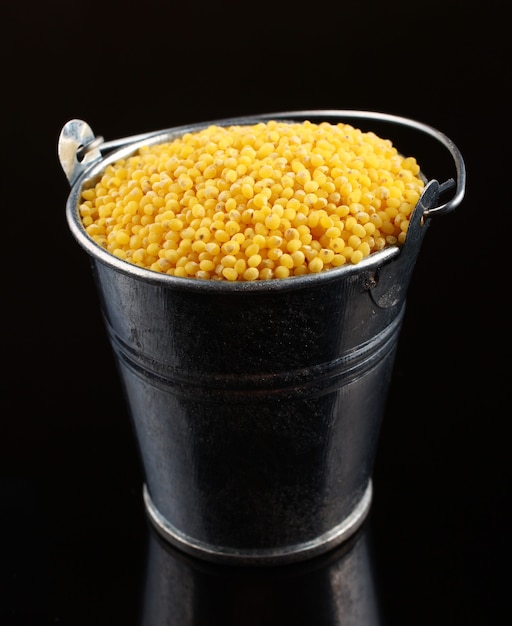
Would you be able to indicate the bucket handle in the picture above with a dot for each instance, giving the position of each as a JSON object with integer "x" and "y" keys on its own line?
{"x": 460, "y": 168}
{"x": 79, "y": 148}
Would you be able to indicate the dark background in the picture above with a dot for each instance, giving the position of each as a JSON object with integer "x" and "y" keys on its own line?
{"x": 73, "y": 534}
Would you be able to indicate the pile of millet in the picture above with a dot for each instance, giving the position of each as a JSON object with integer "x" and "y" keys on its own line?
{"x": 269, "y": 200}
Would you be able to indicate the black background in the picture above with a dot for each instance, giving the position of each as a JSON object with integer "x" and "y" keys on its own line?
{"x": 73, "y": 534}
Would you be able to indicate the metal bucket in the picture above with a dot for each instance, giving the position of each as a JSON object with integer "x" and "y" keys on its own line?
{"x": 256, "y": 406}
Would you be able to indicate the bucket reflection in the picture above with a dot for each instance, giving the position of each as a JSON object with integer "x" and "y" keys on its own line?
{"x": 335, "y": 589}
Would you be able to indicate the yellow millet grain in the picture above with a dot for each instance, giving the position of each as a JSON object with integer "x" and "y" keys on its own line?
{"x": 254, "y": 202}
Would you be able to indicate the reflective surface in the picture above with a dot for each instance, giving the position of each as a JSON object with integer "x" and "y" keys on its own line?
{"x": 336, "y": 588}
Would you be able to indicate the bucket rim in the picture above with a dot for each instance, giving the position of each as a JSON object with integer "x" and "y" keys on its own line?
{"x": 124, "y": 148}
{"x": 367, "y": 265}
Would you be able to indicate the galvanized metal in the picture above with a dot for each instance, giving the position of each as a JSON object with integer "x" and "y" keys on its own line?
{"x": 256, "y": 406}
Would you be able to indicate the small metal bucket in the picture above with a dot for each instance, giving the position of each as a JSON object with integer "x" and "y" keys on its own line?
{"x": 256, "y": 406}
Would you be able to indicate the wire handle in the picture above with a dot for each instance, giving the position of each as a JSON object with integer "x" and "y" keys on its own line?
{"x": 79, "y": 148}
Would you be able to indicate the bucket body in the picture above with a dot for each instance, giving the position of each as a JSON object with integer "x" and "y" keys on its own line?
{"x": 256, "y": 412}
{"x": 256, "y": 406}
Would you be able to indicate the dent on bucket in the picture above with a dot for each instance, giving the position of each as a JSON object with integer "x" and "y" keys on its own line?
{"x": 253, "y": 273}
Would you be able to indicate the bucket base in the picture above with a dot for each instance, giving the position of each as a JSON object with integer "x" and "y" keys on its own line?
{"x": 271, "y": 556}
